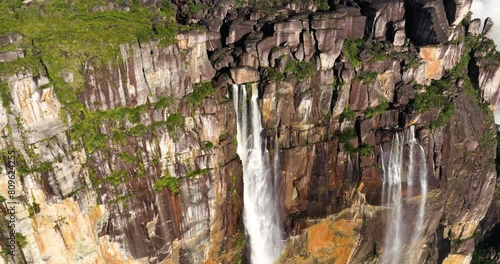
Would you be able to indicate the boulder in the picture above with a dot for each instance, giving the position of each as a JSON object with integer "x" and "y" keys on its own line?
{"x": 244, "y": 74}
{"x": 10, "y": 39}
{"x": 456, "y": 10}
{"x": 488, "y": 25}
{"x": 238, "y": 30}
{"x": 383, "y": 16}
{"x": 474, "y": 27}
{"x": 11, "y": 55}
{"x": 426, "y": 22}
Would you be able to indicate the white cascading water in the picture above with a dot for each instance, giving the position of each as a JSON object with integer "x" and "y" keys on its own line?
{"x": 421, "y": 177}
{"x": 261, "y": 214}
{"x": 396, "y": 170}
{"x": 391, "y": 195}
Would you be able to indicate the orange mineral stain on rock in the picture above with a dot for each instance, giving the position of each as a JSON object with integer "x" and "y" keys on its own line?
{"x": 332, "y": 241}
{"x": 319, "y": 236}
{"x": 434, "y": 65}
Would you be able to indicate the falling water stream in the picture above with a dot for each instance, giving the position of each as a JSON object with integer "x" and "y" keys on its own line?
{"x": 403, "y": 163}
{"x": 261, "y": 208}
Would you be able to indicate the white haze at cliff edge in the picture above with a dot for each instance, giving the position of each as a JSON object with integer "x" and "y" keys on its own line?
{"x": 489, "y": 8}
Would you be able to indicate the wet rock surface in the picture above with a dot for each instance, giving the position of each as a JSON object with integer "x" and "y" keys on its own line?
{"x": 148, "y": 173}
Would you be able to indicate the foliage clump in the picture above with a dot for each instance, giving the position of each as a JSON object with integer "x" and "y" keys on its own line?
{"x": 175, "y": 121}
{"x": 347, "y": 114}
{"x": 367, "y": 77}
{"x": 200, "y": 91}
{"x": 172, "y": 183}
{"x": 351, "y": 50}
{"x": 195, "y": 173}
{"x": 347, "y": 135}
{"x": 274, "y": 75}
{"x": 300, "y": 69}
{"x": 377, "y": 110}
{"x": 117, "y": 177}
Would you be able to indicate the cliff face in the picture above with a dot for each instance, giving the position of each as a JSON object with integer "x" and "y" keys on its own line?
{"x": 134, "y": 160}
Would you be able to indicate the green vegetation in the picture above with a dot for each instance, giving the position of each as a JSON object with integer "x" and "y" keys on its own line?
{"x": 139, "y": 130}
{"x": 162, "y": 103}
{"x": 376, "y": 49}
{"x": 200, "y": 91}
{"x": 367, "y": 77}
{"x": 444, "y": 115}
{"x": 274, "y": 75}
{"x": 33, "y": 209}
{"x": 481, "y": 256}
{"x": 339, "y": 233}
{"x": 433, "y": 96}
{"x": 175, "y": 121}
{"x": 61, "y": 36}
{"x": 377, "y": 110}
{"x": 117, "y": 177}
{"x": 347, "y": 114}
{"x": 488, "y": 140}
{"x": 5, "y": 95}
{"x": 195, "y": 173}
{"x": 469, "y": 89}
{"x": 297, "y": 215}
{"x": 351, "y": 51}
{"x": 364, "y": 150}
{"x": 196, "y": 7}
{"x": 20, "y": 240}
{"x": 172, "y": 183}
{"x": 44, "y": 167}
{"x": 86, "y": 127}
{"x": 487, "y": 47}
{"x": 240, "y": 240}
{"x": 127, "y": 157}
{"x": 322, "y": 5}
{"x": 206, "y": 145}
{"x": 300, "y": 69}
{"x": 347, "y": 135}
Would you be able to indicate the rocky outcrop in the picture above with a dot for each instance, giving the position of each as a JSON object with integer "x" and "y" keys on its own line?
{"x": 387, "y": 20}
{"x": 11, "y": 55}
{"x": 245, "y": 74}
{"x": 36, "y": 106}
{"x": 426, "y": 22}
{"x": 142, "y": 166}
{"x": 489, "y": 83}
{"x": 456, "y": 10}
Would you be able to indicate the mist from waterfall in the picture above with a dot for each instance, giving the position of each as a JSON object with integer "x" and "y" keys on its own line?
{"x": 261, "y": 214}
{"x": 403, "y": 165}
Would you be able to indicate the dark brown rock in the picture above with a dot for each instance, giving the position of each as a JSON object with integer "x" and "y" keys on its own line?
{"x": 244, "y": 74}
{"x": 426, "y": 21}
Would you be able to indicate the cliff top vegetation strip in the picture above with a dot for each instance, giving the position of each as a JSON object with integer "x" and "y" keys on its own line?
{"x": 63, "y": 34}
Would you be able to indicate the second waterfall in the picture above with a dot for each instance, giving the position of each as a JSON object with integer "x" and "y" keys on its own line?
{"x": 261, "y": 214}
{"x": 404, "y": 175}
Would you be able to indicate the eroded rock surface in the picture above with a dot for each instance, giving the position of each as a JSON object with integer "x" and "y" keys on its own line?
{"x": 146, "y": 171}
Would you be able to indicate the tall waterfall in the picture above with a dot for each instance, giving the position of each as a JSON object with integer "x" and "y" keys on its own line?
{"x": 403, "y": 163}
{"x": 261, "y": 209}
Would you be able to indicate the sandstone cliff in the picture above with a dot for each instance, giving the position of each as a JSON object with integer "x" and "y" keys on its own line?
{"x": 131, "y": 157}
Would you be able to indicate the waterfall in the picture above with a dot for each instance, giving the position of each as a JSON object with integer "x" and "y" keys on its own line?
{"x": 391, "y": 195}
{"x": 422, "y": 178}
{"x": 404, "y": 162}
{"x": 261, "y": 214}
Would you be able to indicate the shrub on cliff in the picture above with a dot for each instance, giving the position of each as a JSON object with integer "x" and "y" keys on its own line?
{"x": 172, "y": 183}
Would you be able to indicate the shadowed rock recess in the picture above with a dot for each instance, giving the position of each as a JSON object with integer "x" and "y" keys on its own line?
{"x": 121, "y": 115}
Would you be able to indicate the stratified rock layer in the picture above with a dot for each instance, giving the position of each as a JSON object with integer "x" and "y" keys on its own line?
{"x": 154, "y": 177}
